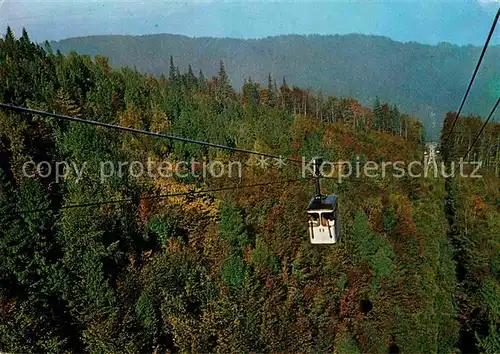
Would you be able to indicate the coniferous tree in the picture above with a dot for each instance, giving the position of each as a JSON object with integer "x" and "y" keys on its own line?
{"x": 377, "y": 115}
{"x": 178, "y": 75}
{"x": 271, "y": 97}
{"x": 250, "y": 92}
{"x": 286, "y": 97}
{"x": 65, "y": 105}
{"x": 224, "y": 89}
{"x": 10, "y": 42}
{"x": 172, "y": 73}
{"x": 202, "y": 82}
{"x": 191, "y": 78}
{"x": 25, "y": 48}
{"x": 395, "y": 120}
{"x": 275, "y": 94}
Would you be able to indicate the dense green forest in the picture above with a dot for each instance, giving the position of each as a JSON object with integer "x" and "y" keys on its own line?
{"x": 232, "y": 271}
{"x": 423, "y": 80}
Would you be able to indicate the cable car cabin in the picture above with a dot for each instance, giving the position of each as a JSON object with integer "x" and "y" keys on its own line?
{"x": 324, "y": 219}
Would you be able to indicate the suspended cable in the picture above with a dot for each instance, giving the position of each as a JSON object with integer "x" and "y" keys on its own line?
{"x": 474, "y": 74}
{"x": 480, "y": 132}
{"x": 160, "y": 196}
{"x": 144, "y": 132}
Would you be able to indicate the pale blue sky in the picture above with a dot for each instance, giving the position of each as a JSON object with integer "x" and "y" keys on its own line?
{"x": 459, "y": 22}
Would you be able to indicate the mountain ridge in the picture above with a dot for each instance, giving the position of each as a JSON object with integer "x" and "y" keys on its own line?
{"x": 276, "y": 36}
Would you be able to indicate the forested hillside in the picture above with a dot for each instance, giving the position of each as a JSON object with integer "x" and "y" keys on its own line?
{"x": 426, "y": 81}
{"x": 231, "y": 271}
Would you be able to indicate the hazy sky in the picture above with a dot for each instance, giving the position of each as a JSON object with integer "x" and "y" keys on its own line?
{"x": 460, "y": 22}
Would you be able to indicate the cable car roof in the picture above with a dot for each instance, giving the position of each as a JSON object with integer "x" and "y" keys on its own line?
{"x": 328, "y": 202}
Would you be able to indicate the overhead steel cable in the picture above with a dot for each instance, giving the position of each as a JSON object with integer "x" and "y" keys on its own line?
{"x": 160, "y": 196}
{"x": 473, "y": 75}
{"x": 143, "y": 132}
{"x": 480, "y": 132}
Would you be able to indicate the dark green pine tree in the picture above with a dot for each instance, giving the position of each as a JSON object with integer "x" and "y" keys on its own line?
{"x": 275, "y": 92}
{"x": 191, "y": 80}
{"x": 286, "y": 96}
{"x": 25, "y": 47}
{"x": 202, "y": 82}
{"x": 48, "y": 48}
{"x": 377, "y": 114}
{"x": 395, "y": 120}
{"x": 224, "y": 89}
{"x": 251, "y": 92}
{"x": 271, "y": 90}
{"x": 9, "y": 43}
{"x": 178, "y": 76}
{"x": 172, "y": 74}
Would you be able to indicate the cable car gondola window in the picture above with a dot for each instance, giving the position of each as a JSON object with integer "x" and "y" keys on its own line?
{"x": 314, "y": 217}
{"x": 327, "y": 219}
